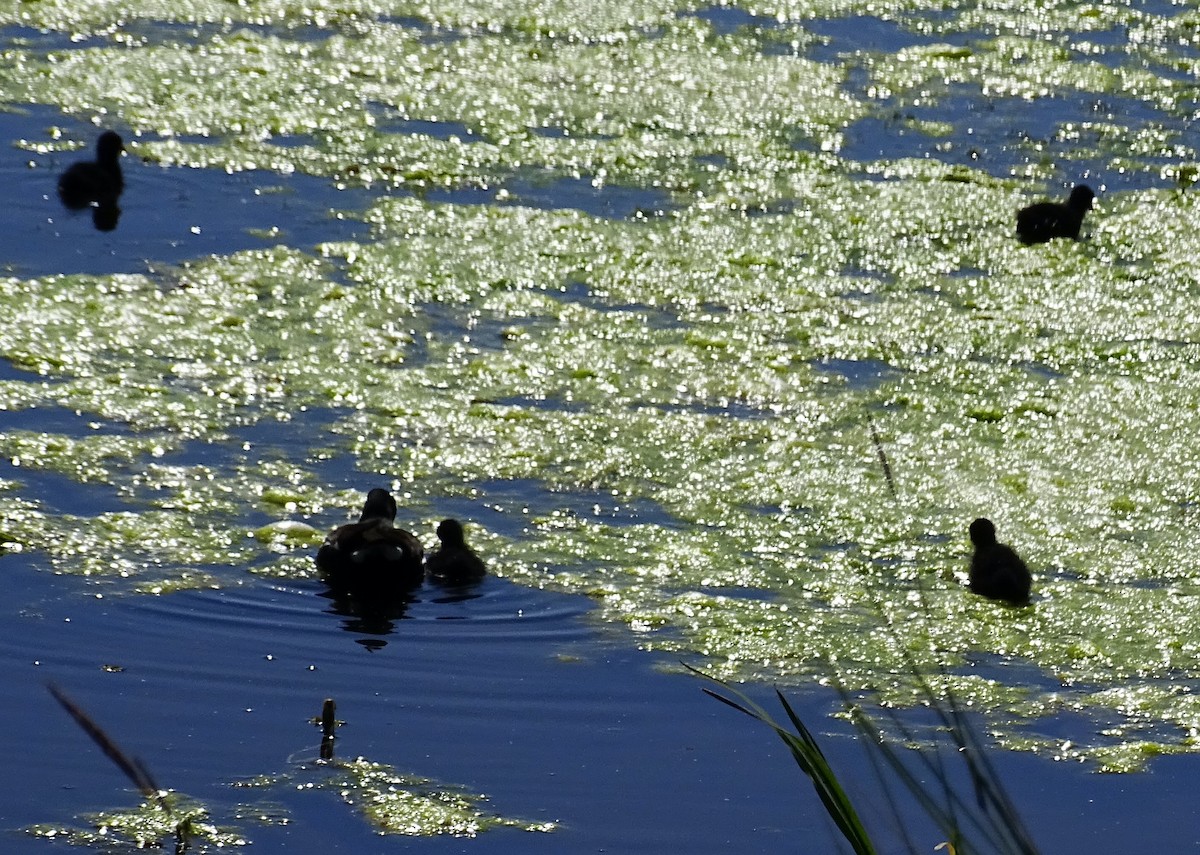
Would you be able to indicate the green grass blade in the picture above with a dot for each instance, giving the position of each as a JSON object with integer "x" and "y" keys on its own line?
{"x": 811, "y": 760}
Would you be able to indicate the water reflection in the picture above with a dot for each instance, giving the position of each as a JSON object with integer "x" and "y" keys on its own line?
{"x": 373, "y": 616}
{"x": 455, "y": 591}
{"x": 96, "y": 184}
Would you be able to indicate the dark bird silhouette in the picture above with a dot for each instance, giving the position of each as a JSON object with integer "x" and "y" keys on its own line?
{"x": 454, "y": 562}
{"x": 1044, "y": 221}
{"x": 996, "y": 569}
{"x": 372, "y": 556}
{"x": 96, "y": 183}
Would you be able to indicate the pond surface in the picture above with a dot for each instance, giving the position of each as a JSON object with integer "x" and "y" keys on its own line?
{"x": 513, "y": 693}
{"x": 641, "y": 292}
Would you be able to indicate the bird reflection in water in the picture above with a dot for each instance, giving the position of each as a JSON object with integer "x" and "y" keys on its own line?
{"x": 96, "y": 184}
{"x": 455, "y": 592}
{"x": 373, "y": 616}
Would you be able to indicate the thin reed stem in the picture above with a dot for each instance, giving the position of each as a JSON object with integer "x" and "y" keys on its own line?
{"x": 133, "y": 768}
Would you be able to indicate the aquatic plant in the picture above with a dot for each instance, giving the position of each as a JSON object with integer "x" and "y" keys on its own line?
{"x": 393, "y": 802}
{"x": 174, "y": 818}
{"x": 164, "y": 815}
{"x": 808, "y": 756}
{"x": 396, "y": 803}
{"x": 985, "y": 820}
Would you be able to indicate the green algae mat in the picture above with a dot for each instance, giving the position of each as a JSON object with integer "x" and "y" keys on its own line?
{"x": 716, "y": 359}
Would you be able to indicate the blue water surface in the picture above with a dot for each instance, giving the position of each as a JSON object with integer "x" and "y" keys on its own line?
{"x": 514, "y": 692}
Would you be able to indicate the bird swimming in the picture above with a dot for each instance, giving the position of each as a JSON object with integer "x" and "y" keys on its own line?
{"x": 1044, "y": 221}
{"x": 454, "y": 562}
{"x": 372, "y": 555}
{"x": 997, "y": 571}
{"x": 95, "y": 182}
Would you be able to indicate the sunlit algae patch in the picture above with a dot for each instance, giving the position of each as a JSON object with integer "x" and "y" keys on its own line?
{"x": 156, "y": 823}
{"x": 394, "y": 802}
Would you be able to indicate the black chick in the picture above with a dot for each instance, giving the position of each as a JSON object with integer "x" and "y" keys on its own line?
{"x": 1044, "y": 221}
{"x": 95, "y": 182}
{"x": 996, "y": 569}
{"x": 454, "y": 562}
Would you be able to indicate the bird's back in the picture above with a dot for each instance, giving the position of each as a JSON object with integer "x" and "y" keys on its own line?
{"x": 999, "y": 573}
{"x": 455, "y": 564}
{"x": 1047, "y": 220}
{"x": 371, "y": 553}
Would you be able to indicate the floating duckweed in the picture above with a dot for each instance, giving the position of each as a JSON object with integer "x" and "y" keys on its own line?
{"x": 175, "y": 819}
{"x": 716, "y": 359}
{"x": 289, "y": 533}
{"x": 292, "y": 565}
{"x": 610, "y": 20}
{"x": 403, "y": 804}
{"x": 90, "y": 458}
{"x": 631, "y": 124}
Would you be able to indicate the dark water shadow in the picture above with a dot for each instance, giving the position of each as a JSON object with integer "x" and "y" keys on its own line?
{"x": 173, "y": 214}
{"x": 447, "y": 592}
{"x": 579, "y": 292}
{"x": 389, "y": 120}
{"x": 56, "y": 492}
{"x": 44, "y": 41}
{"x": 550, "y": 192}
{"x": 995, "y": 134}
{"x": 729, "y": 409}
{"x": 552, "y": 719}
{"x": 303, "y": 439}
{"x": 842, "y": 38}
{"x": 727, "y": 20}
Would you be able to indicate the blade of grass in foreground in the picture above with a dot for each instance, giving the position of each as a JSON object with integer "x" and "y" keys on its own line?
{"x": 133, "y": 768}
{"x": 990, "y": 823}
{"x": 993, "y": 817}
{"x": 810, "y": 759}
